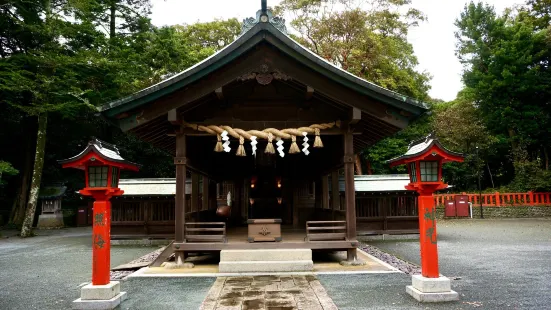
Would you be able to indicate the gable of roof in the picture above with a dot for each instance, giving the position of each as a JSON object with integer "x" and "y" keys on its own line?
{"x": 263, "y": 32}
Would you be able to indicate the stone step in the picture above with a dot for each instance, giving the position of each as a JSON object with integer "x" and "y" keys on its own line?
{"x": 267, "y": 255}
{"x": 266, "y": 266}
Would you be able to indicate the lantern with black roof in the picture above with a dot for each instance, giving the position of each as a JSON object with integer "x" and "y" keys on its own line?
{"x": 424, "y": 159}
{"x": 102, "y": 164}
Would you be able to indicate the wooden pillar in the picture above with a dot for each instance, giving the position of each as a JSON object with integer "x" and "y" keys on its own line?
{"x": 195, "y": 193}
{"x": 206, "y": 196}
{"x": 349, "y": 191}
{"x": 296, "y": 203}
{"x": 180, "y": 199}
{"x": 325, "y": 192}
{"x": 335, "y": 193}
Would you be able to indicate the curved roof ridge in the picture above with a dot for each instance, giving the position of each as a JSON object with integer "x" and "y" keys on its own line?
{"x": 291, "y": 43}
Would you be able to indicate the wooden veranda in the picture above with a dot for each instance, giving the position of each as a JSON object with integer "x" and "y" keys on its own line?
{"x": 263, "y": 83}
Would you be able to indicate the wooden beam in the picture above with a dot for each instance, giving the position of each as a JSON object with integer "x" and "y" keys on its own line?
{"x": 355, "y": 116}
{"x": 173, "y": 118}
{"x": 309, "y": 92}
{"x": 219, "y": 93}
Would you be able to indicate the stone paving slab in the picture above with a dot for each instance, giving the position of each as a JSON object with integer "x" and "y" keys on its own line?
{"x": 268, "y": 292}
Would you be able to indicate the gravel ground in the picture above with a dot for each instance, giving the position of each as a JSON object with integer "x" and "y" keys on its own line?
{"x": 499, "y": 264}
{"x": 147, "y": 258}
{"x": 400, "y": 264}
{"x": 44, "y": 272}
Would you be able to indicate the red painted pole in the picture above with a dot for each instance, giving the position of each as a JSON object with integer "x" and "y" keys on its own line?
{"x": 427, "y": 236}
{"x": 101, "y": 242}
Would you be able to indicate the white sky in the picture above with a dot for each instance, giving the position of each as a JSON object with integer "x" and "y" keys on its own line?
{"x": 433, "y": 41}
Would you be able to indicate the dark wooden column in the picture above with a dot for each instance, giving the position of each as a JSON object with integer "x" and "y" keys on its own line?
{"x": 335, "y": 194}
{"x": 325, "y": 192}
{"x": 349, "y": 193}
{"x": 296, "y": 186}
{"x": 180, "y": 199}
{"x": 195, "y": 194}
{"x": 206, "y": 196}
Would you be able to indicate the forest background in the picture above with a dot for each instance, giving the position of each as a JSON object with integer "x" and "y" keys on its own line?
{"x": 61, "y": 59}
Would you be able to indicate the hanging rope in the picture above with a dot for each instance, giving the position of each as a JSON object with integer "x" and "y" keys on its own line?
{"x": 268, "y": 134}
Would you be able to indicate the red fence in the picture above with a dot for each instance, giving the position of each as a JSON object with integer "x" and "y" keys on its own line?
{"x": 501, "y": 199}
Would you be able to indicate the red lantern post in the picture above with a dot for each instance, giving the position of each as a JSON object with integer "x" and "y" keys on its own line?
{"x": 424, "y": 159}
{"x": 102, "y": 164}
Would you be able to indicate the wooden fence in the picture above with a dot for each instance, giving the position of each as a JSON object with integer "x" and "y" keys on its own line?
{"x": 501, "y": 199}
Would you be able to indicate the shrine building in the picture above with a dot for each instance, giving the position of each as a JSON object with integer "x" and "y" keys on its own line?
{"x": 276, "y": 127}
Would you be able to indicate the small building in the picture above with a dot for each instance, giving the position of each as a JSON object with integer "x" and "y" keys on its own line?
{"x": 146, "y": 209}
{"x": 50, "y": 198}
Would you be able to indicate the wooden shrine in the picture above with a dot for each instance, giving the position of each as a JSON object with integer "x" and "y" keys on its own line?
{"x": 276, "y": 122}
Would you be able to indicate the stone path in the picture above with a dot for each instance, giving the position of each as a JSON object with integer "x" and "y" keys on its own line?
{"x": 268, "y": 293}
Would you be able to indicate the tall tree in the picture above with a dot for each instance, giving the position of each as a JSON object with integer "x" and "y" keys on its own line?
{"x": 366, "y": 38}
{"x": 506, "y": 68}
{"x": 40, "y": 74}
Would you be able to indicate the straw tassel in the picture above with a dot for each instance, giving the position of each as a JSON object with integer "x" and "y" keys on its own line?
{"x": 241, "y": 148}
{"x": 218, "y": 147}
{"x": 270, "y": 146}
{"x": 317, "y": 140}
{"x": 294, "y": 147}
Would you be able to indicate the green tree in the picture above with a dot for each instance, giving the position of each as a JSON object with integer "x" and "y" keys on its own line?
{"x": 506, "y": 69}
{"x": 368, "y": 40}
{"x": 40, "y": 73}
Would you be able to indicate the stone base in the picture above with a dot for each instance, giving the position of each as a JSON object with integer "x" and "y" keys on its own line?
{"x": 431, "y": 289}
{"x": 266, "y": 266}
{"x": 108, "y": 304}
{"x": 432, "y": 297}
{"x": 52, "y": 220}
{"x": 100, "y": 292}
{"x": 265, "y": 255}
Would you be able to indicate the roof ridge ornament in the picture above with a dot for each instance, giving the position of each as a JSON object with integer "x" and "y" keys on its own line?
{"x": 264, "y": 15}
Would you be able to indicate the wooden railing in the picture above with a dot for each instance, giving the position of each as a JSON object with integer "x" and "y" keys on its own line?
{"x": 325, "y": 230}
{"x": 206, "y": 232}
{"x": 501, "y": 199}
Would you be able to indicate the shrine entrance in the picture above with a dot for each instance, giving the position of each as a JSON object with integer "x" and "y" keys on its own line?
{"x": 273, "y": 124}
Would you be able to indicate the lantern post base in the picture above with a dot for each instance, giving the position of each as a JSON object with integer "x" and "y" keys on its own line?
{"x": 96, "y": 297}
{"x": 431, "y": 289}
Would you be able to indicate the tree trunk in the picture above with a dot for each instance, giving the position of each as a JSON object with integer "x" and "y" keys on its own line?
{"x": 20, "y": 201}
{"x": 26, "y": 229}
{"x": 358, "y": 163}
{"x": 369, "y": 170}
{"x": 113, "y": 21}
{"x": 491, "y": 177}
{"x": 546, "y": 154}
